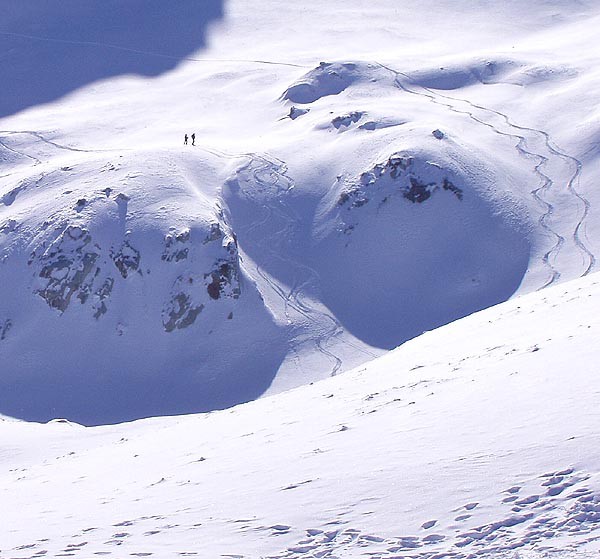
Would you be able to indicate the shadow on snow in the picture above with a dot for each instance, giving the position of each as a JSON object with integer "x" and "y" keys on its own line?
{"x": 49, "y": 49}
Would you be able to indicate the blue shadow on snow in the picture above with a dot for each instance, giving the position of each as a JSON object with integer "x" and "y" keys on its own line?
{"x": 49, "y": 48}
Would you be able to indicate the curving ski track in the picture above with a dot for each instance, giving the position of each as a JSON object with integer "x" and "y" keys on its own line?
{"x": 35, "y": 160}
{"x": 270, "y": 175}
{"x": 547, "y": 183}
{"x": 51, "y": 143}
{"x": 570, "y": 187}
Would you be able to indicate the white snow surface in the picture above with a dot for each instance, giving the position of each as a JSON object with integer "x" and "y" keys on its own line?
{"x": 364, "y": 175}
{"x": 477, "y": 439}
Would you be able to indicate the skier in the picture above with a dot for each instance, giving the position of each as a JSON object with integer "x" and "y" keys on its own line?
{"x": 193, "y": 138}
{"x": 185, "y": 138}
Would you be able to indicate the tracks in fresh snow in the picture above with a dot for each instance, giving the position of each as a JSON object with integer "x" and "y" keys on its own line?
{"x": 46, "y": 141}
{"x": 270, "y": 185}
{"x": 33, "y": 158}
{"x": 7, "y": 147}
{"x": 270, "y": 188}
{"x": 145, "y": 53}
{"x": 556, "y": 511}
{"x": 536, "y": 144}
{"x": 561, "y": 505}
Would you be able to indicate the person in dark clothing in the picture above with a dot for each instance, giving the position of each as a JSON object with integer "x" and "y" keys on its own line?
{"x": 194, "y": 139}
{"x": 185, "y": 138}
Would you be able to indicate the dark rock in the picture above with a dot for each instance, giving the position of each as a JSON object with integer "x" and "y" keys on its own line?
{"x": 102, "y": 294}
{"x": 223, "y": 280}
{"x": 344, "y": 197}
{"x": 181, "y": 313}
{"x": 214, "y": 233}
{"x": 296, "y": 112}
{"x": 399, "y": 167}
{"x": 175, "y": 248}
{"x": 66, "y": 276}
{"x": 346, "y": 120}
{"x": 447, "y": 185}
{"x": 5, "y": 328}
{"x": 126, "y": 259}
{"x": 418, "y": 191}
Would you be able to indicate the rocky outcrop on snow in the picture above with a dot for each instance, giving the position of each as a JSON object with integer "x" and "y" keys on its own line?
{"x": 73, "y": 267}
{"x": 346, "y": 120}
{"x": 331, "y": 78}
{"x": 126, "y": 259}
{"x": 70, "y": 265}
{"x": 123, "y": 282}
{"x": 176, "y": 246}
{"x": 65, "y": 267}
{"x": 5, "y": 326}
{"x": 193, "y": 289}
{"x": 400, "y": 173}
{"x": 101, "y": 297}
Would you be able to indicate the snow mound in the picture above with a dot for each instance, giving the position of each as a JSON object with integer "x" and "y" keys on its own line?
{"x": 331, "y": 78}
{"x": 429, "y": 240}
{"x": 127, "y": 295}
{"x": 485, "y": 71}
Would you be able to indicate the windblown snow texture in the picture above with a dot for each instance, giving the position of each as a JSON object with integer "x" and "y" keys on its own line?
{"x": 363, "y": 177}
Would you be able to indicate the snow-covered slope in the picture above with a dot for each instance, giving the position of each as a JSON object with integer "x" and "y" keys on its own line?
{"x": 475, "y": 440}
{"x": 134, "y": 300}
{"x": 360, "y": 175}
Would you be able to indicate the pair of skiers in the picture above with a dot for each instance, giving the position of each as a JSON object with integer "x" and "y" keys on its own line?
{"x": 193, "y": 137}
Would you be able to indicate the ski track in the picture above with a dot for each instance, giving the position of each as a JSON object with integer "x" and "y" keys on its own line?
{"x": 35, "y": 160}
{"x": 148, "y": 53}
{"x": 42, "y": 138}
{"x": 522, "y": 147}
{"x": 269, "y": 175}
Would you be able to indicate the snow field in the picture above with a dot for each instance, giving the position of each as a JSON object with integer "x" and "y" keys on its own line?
{"x": 452, "y": 444}
{"x": 362, "y": 174}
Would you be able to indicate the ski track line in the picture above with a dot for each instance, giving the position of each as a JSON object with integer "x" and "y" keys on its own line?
{"x": 547, "y": 182}
{"x": 50, "y": 142}
{"x": 570, "y": 184}
{"x": 148, "y": 53}
{"x": 277, "y": 169}
{"x": 277, "y": 289}
{"x": 280, "y": 169}
{"x": 8, "y": 148}
{"x": 570, "y": 187}
{"x": 314, "y": 279}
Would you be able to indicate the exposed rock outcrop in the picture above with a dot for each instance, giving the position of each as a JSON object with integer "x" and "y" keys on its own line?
{"x": 66, "y": 268}
{"x": 415, "y": 180}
